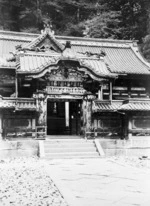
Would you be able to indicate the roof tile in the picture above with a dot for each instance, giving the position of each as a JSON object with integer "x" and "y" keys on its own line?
{"x": 120, "y": 55}
{"x": 131, "y": 105}
{"x": 106, "y": 106}
{"x": 135, "y": 106}
{"x": 34, "y": 63}
{"x": 120, "y": 60}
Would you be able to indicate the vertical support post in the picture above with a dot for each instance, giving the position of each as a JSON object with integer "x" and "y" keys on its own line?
{"x": 16, "y": 85}
{"x": 41, "y": 117}
{"x": 129, "y": 127}
{"x": 89, "y": 118}
{"x": 67, "y": 114}
{"x": 129, "y": 89}
{"x": 100, "y": 93}
{"x": 1, "y": 127}
{"x": 83, "y": 117}
{"x": 110, "y": 91}
{"x": 33, "y": 127}
{"x": 88, "y": 98}
{"x": 77, "y": 106}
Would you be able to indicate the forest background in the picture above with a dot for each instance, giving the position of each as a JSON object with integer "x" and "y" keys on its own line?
{"x": 116, "y": 19}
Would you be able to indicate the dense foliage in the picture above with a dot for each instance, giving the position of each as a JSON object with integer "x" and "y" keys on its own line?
{"x": 118, "y": 19}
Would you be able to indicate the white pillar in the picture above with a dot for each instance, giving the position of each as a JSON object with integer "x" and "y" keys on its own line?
{"x": 110, "y": 91}
{"x": 100, "y": 93}
{"x": 1, "y": 126}
{"x": 129, "y": 127}
{"x": 33, "y": 126}
{"x": 67, "y": 113}
{"x": 16, "y": 85}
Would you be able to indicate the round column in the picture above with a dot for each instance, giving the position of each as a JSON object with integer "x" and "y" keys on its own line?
{"x": 87, "y": 115}
{"x": 1, "y": 127}
{"x": 41, "y": 123}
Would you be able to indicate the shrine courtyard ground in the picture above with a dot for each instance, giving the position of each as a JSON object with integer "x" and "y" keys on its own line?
{"x": 118, "y": 181}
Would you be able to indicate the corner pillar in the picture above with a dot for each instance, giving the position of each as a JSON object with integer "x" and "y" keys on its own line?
{"x": 67, "y": 120}
{"x": 41, "y": 123}
{"x": 129, "y": 127}
{"x": 87, "y": 115}
{"x": 1, "y": 127}
{"x": 33, "y": 126}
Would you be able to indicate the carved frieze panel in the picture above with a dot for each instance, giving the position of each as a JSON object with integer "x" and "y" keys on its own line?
{"x": 17, "y": 127}
{"x": 12, "y": 123}
{"x": 46, "y": 45}
{"x": 7, "y": 79}
{"x": 68, "y": 74}
{"x": 65, "y": 90}
{"x": 67, "y": 97}
{"x": 141, "y": 123}
{"x": 64, "y": 74}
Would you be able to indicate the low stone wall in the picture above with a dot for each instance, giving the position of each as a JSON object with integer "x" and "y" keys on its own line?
{"x": 18, "y": 148}
{"x": 134, "y": 147}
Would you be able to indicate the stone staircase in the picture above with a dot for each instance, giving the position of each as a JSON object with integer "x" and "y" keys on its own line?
{"x": 69, "y": 148}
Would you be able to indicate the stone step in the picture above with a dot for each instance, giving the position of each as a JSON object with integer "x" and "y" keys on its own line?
{"x": 69, "y": 155}
{"x": 71, "y": 145}
{"x": 52, "y": 141}
{"x": 63, "y": 149}
{"x": 54, "y": 137}
{"x": 68, "y": 148}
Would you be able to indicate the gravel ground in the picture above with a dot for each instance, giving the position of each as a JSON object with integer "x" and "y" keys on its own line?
{"x": 139, "y": 162}
{"x": 24, "y": 181}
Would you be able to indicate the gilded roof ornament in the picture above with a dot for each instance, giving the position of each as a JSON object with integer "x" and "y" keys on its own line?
{"x": 86, "y": 32}
{"x": 99, "y": 55}
{"x": 47, "y": 28}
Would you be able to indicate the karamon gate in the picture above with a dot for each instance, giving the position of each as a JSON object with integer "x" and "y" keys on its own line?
{"x": 52, "y": 85}
{"x": 64, "y": 96}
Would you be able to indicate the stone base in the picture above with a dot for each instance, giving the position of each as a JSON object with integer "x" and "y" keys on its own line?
{"x": 67, "y": 130}
{"x": 22, "y": 148}
{"x": 115, "y": 147}
{"x": 90, "y": 135}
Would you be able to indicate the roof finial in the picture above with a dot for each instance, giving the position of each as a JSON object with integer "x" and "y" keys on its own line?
{"x": 47, "y": 27}
{"x": 86, "y": 31}
{"x": 68, "y": 45}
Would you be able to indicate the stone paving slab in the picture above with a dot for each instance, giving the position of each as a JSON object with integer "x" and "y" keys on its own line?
{"x": 100, "y": 182}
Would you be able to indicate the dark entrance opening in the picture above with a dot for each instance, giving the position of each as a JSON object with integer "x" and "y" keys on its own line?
{"x": 63, "y": 117}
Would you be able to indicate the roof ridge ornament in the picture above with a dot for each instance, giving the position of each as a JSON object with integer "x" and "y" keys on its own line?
{"x": 48, "y": 38}
{"x": 68, "y": 52}
{"x": 47, "y": 28}
{"x": 100, "y": 55}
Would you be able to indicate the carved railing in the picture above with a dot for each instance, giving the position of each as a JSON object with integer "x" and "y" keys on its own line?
{"x": 108, "y": 132}
{"x": 123, "y": 92}
{"x": 18, "y": 132}
{"x": 25, "y": 104}
{"x": 136, "y": 100}
{"x": 17, "y": 103}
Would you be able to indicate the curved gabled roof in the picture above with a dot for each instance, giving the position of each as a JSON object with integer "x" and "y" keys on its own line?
{"x": 33, "y": 44}
{"x": 122, "y": 56}
{"x": 121, "y": 60}
{"x": 36, "y": 64}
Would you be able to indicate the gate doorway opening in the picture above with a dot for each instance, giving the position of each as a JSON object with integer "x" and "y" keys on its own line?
{"x": 63, "y": 117}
